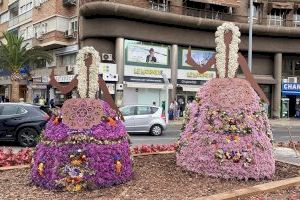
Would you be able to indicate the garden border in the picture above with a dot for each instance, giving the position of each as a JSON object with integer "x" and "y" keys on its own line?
{"x": 254, "y": 190}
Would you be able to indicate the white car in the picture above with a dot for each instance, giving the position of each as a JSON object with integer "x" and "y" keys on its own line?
{"x": 144, "y": 118}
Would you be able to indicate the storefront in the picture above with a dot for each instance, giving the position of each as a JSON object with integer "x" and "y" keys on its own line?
{"x": 290, "y": 99}
{"x": 190, "y": 80}
{"x": 144, "y": 65}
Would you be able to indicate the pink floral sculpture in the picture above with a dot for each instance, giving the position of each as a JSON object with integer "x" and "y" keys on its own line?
{"x": 86, "y": 145}
{"x": 227, "y": 132}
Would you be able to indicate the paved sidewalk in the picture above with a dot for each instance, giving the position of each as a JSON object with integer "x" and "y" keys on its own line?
{"x": 287, "y": 155}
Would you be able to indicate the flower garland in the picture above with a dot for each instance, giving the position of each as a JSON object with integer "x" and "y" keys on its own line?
{"x": 81, "y": 71}
{"x": 81, "y": 138}
{"x": 221, "y": 50}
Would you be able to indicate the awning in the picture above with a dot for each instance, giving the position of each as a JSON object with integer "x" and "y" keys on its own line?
{"x": 147, "y": 85}
{"x": 227, "y": 3}
{"x": 280, "y": 5}
{"x": 262, "y": 79}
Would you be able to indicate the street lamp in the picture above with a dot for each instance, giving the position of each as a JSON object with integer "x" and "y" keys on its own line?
{"x": 250, "y": 36}
{"x": 166, "y": 81}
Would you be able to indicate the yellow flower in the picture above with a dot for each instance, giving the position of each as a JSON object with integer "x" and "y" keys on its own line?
{"x": 76, "y": 162}
{"x": 236, "y": 138}
{"x": 77, "y": 187}
{"x": 41, "y": 168}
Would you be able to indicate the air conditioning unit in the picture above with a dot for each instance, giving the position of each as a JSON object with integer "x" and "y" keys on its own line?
{"x": 292, "y": 79}
{"x": 39, "y": 36}
{"x": 70, "y": 34}
{"x": 69, "y": 2}
{"x": 37, "y": 3}
{"x": 120, "y": 86}
{"x": 70, "y": 68}
{"x": 107, "y": 57}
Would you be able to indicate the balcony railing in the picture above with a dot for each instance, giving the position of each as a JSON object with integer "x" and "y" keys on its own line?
{"x": 269, "y": 20}
{"x": 20, "y": 18}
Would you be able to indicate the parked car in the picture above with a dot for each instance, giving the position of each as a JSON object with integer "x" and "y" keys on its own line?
{"x": 144, "y": 118}
{"x": 21, "y": 122}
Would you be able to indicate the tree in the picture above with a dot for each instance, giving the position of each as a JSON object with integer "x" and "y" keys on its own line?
{"x": 14, "y": 55}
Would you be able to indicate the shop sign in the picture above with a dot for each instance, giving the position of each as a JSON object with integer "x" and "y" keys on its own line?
{"x": 39, "y": 86}
{"x": 193, "y": 77}
{"x": 291, "y": 88}
{"x": 145, "y": 74}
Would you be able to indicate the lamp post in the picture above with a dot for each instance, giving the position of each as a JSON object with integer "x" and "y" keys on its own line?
{"x": 250, "y": 36}
{"x": 166, "y": 81}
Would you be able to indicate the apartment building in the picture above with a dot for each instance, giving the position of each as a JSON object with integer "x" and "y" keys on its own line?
{"x": 129, "y": 29}
{"x": 50, "y": 24}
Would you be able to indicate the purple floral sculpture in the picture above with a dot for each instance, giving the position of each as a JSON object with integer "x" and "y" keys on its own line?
{"x": 227, "y": 133}
{"x": 86, "y": 146}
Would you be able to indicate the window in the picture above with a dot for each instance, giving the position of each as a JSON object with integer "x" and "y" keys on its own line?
{"x": 41, "y": 63}
{"x": 74, "y": 25}
{"x": 160, "y": 5}
{"x": 128, "y": 111}
{"x": 4, "y": 17}
{"x": 143, "y": 110}
{"x": 9, "y": 110}
{"x": 256, "y": 11}
{"x": 21, "y": 110}
{"x": 277, "y": 17}
{"x": 69, "y": 59}
{"x": 296, "y": 18}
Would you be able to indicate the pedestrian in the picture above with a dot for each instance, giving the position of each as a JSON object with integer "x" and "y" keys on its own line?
{"x": 176, "y": 110}
{"x": 52, "y": 103}
{"x": 163, "y": 106}
{"x": 42, "y": 101}
{"x": 21, "y": 100}
{"x": 6, "y": 99}
{"x": 36, "y": 99}
{"x": 171, "y": 110}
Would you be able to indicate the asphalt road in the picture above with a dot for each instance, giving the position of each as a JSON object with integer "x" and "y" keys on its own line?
{"x": 172, "y": 134}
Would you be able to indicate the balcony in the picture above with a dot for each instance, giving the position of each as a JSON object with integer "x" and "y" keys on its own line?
{"x": 19, "y": 19}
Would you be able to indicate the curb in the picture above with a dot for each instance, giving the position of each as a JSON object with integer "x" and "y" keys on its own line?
{"x": 254, "y": 190}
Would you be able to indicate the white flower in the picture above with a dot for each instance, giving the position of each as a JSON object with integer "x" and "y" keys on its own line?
{"x": 233, "y": 50}
{"x": 81, "y": 70}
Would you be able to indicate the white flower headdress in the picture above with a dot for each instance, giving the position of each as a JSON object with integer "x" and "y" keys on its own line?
{"x": 233, "y": 49}
{"x": 81, "y": 71}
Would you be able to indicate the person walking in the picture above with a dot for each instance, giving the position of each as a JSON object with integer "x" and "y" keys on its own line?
{"x": 171, "y": 110}
{"x": 36, "y": 99}
{"x": 42, "y": 101}
{"x": 176, "y": 110}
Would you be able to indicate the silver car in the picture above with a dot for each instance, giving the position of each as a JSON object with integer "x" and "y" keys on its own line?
{"x": 144, "y": 118}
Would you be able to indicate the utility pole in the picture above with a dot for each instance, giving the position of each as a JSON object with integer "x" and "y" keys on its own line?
{"x": 166, "y": 81}
{"x": 250, "y": 36}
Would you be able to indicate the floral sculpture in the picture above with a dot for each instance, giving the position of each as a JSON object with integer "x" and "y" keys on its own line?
{"x": 226, "y": 132}
{"x": 85, "y": 146}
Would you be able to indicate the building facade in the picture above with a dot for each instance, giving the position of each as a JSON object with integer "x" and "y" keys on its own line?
{"x": 50, "y": 24}
{"x": 131, "y": 30}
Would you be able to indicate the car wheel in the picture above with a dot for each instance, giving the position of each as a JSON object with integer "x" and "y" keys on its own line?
{"x": 27, "y": 137}
{"x": 156, "y": 130}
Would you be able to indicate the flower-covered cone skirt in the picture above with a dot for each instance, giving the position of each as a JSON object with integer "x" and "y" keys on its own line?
{"x": 73, "y": 158}
{"x": 227, "y": 132}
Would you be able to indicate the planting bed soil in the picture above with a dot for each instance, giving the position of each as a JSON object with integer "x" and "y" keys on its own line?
{"x": 156, "y": 177}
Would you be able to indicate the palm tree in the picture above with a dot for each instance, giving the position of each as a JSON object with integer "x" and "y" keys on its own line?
{"x": 14, "y": 55}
